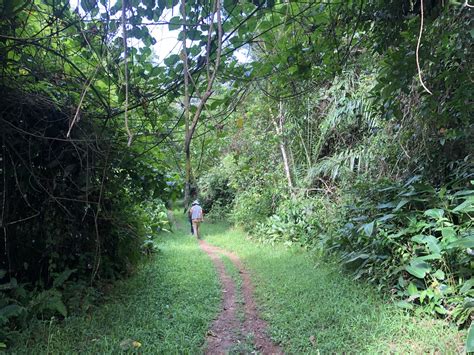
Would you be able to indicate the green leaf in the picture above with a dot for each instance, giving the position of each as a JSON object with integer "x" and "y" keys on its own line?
{"x": 368, "y": 228}
{"x": 412, "y": 290}
{"x": 433, "y": 245}
{"x": 429, "y": 240}
{"x": 10, "y": 285}
{"x": 229, "y": 5}
{"x": 439, "y": 274}
{"x": 426, "y": 258}
{"x": 467, "y": 285}
{"x": 402, "y": 203}
{"x": 435, "y": 213}
{"x": 171, "y": 60}
{"x": 175, "y": 23}
{"x": 12, "y": 310}
{"x": 470, "y": 339}
{"x": 448, "y": 232}
{"x": 386, "y": 217}
{"x": 194, "y": 34}
{"x": 171, "y": 3}
{"x": 418, "y": 269}
{"x": 466, "y": 242}
{"x": 61, "y": 308}
{"x": 355, "y": 257}
{"x": 468, "y": 302}
{"x": 63, "y": 277}
{"x": 465, "y": 207}
{"x": 88, "y": 5}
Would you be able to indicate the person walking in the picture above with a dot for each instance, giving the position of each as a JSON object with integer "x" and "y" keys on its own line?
{"x": 196, "y": 217}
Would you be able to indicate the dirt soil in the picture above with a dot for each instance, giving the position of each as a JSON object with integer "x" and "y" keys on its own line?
{"x": 227, "y": 331}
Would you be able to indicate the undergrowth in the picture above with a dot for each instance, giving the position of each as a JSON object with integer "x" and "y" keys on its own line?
{"x": 311, "y": 305}
{"x": 166, "y": 307}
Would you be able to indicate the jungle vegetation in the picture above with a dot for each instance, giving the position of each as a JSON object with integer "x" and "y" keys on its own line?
{"x": 341, "y": 127}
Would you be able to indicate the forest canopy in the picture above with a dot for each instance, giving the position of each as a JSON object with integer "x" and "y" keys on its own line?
{"x": 343, "y": 127}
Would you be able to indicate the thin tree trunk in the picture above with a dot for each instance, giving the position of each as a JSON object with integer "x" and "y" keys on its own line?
{"x": 190, "y": 125}
{"x": 187, "y": 145}
{"x": 279, "y": 130}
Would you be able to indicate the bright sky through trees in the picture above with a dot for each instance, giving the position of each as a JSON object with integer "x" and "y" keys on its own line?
{"x": 166, "y": 41}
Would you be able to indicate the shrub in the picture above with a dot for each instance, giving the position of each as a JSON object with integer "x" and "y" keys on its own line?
{"x": 253, "y": 206}
{"x": 215, "y": 191}
{"x": 414, "y": 240}
{"x": 308, "y": 222}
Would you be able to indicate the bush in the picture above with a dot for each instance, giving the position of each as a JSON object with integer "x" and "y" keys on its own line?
{"x": 215, "y": 191}
{"x": 70, "y": 205}
{"x": 253, "y": 206}
{"x": 308, "y": 222}
{"x": 414, "y": 240}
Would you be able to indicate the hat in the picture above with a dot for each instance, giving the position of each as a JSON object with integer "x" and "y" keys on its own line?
{"x": 195, "y": 202}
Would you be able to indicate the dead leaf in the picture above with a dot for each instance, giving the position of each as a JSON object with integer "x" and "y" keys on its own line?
{"x": 136, "y": 344}
{"x": 312, "y": 340}
{"x": 211, "y": 333}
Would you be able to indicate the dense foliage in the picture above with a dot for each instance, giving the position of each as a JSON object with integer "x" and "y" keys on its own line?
{"x": 78, "y": 208}
{"x": 347, "y": 130}
{"x": 381, "y": 171}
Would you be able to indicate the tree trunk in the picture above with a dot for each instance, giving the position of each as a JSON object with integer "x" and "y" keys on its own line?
{"x": 187, "y": 138}
{"x": 190, "y": 125}
{"x": 279, "y": 130}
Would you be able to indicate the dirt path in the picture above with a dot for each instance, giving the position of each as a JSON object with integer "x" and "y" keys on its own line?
{"x": 227, "y": 331}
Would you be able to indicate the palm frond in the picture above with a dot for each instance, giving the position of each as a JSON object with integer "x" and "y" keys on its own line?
{"x": 346, "y": 161}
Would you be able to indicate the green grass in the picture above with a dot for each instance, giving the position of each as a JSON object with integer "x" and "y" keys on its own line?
{"x": 170, "y": 302}
{"x": 245, "y": 346}
{"x": 167, "y": 306}
{"x": 233, "y": 272}
{"x": 306, "y": 301}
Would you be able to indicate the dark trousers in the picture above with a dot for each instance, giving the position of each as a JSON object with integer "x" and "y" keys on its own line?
{"x": 191, "y": 223}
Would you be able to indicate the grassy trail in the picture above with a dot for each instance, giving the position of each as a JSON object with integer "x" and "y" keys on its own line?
{"x": 170, "y": 303}
{"x": 312, "y": 307}
{"x": 166, "y": 306}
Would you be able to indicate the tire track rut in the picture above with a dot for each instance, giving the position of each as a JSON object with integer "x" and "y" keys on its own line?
{"x": 227, "y": 331}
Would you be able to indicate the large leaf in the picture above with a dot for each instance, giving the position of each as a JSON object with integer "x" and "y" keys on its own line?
{"x": 386, "y": 217}
{"x": 467, "y": 285}
{"x": 12, "y": 310}
{"x": 175, "y": 23}
{"x": 171, "y": 60}
{"x": 439, "y": 274}
{"x": 428, "y": 240}
{"x": 358, "y": 256}
{"x": 448, "y": 232}
{"x": 466, "y": 242}
{"x": 426, "y": 258}
{"x": 435, "y": 213}
{"x": 400, "y": 204}
{"x": 465, "y": 207}
{"x": 418, "y": 269}
{"x": 470, "y": 339}
{"x": 368, "y": 228}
